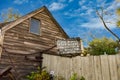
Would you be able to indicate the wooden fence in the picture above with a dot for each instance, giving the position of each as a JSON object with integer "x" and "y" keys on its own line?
{"x": 104, "y": 67}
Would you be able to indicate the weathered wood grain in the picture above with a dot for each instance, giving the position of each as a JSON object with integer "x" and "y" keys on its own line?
{"x": 113, "y": 67}
{"x": 20, "y": 41}
{"x": 103, "y": 67}
{"x": 97, "y": 68}
{"x": 91, "y": 68}
{"x": 118, "y": 65}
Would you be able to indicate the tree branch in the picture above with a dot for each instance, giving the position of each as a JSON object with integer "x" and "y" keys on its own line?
{"x": 106, "y": 26}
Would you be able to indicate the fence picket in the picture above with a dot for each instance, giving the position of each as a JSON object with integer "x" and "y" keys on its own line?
{"x": 113, "y": 67}
{"x": 97, "y": 68}
{"x": 91, "y": 68}
{"x": 118, "y": 65}
{"x": 105, "y": 67}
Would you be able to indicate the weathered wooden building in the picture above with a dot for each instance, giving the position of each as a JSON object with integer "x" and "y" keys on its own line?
{"x": 33, "y": 33}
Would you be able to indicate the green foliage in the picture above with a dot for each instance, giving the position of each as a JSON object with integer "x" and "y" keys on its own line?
{"x": 118, "y": 11}
{"x": 118, "y": 21}
{"x": 44, "y": 75}
{"x": 10, "y": 14}
{"x": 82, "y": 78}
{"x": 75, "y": 77}
{"x": 101, "y": 46}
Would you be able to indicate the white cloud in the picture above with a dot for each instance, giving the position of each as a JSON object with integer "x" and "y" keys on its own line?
{"x": 81, "y": 2}
{"x": 73, "y": 13}
{"x": 113, "y": 6}
{"x": 61, "y": 0}
{"x": 81, "y": 12}
{"x": 84, "y": 7}
{"x": 97, "y": 24}
{"x": 20, "y": 1}
{"x": 90, "y": 11}
{"x": 56, "y": 6}
{"x": 87, "y": 12}
{"x": 70, "y": 0}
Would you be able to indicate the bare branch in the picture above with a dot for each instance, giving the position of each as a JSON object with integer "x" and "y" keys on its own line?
{"x": 106, "y": 25}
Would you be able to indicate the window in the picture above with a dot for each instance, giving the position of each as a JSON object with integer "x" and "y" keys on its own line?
{"x": 35, "y": 26}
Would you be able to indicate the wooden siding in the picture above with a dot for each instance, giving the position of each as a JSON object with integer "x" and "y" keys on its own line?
{"x": 20, "y": 66}
{"x": 1, "y": 42}
{"x": 19, "y": 40}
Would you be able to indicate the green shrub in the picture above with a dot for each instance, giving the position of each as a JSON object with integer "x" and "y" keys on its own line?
{"x": 82, "y": 78}
{"x": 44, "y": 75}
{"x": 75, "y": 77}
{"x": 100, "y": 46}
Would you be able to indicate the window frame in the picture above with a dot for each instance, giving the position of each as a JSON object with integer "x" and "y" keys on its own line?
{"x": 39, "y": 26}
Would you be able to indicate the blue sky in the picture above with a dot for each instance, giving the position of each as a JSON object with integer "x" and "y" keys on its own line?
{"x": 77, "y": 17}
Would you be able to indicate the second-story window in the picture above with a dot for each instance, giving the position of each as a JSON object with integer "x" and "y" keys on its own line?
{"x": 35, "y": 26}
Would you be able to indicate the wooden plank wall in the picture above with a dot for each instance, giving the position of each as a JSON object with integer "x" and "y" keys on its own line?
{"x": 20, "y": 66}
{"x": 19, "y": 40}
{"x": 104, "y": 67}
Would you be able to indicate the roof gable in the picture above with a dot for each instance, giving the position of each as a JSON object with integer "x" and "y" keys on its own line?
{"x": 29, "y": 15}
